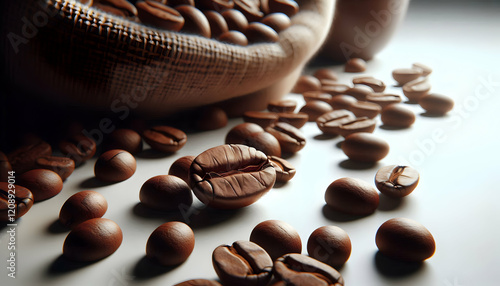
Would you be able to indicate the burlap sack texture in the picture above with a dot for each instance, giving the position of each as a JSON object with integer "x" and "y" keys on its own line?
{"x": 75, "y": 54}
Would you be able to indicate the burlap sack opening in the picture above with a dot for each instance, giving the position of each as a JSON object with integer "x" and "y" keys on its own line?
{"x": 76, "y": 54}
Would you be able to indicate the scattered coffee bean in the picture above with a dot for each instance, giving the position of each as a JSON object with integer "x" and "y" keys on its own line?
{"x": 383, "y": 99}
{"x": 78, "y": 147}
{"x": 397, "y": 115}
{"x": 306, "y": 83}
{"x": 365, "y": 109}
{"x": 299, "y": 269}
{"x": 180, "y": 168}
{"x": 315, "y": 109}
{"x": 317, "y": 95}
{"x": 15, "y": 201}
{"x": 115, "y": 166}
{"x": 342, "y": 101}
{"x": 159, "y": 15}
{"x": 251, "y": 134}
{"x": 365, "y": 147}
{"x": 396, "y": 181}
{"x": 288, "y": 7}
{"x": 414, "y": 90}
{"x": 261, "y": 118}
{"x": 260, "y": 33}
{"x": 277, "y": 238}
{"x": 43, "y": 184}
{"x": 211, "y": 118}
{"x": 195, "y": 21}
{"x": 329, "y": 122}
{"x": 360, "y": 92}
{"x": 284, "y": 170}
{"x": 5, "y": 167}
{"x": 24, "y": 158}
{"x": 425, "y": 70}
{"x": 199, "y": 282}
{"x": 241, "y": 132}
{"x": 165, "y": 193}
{"x": 326, "y": 73}
{"x": 436, "y": 103}
{"x": 405, "y": 75}
{"x": 330, "y": 245}
{"x": 282, "y": 106}
{"x": 170, "y": 244}
{"x": 352, "y": 196}
{"x": 218, "y": 25}
{"x": 63, "y": 166}
{"x": 333, "y": 88}
{"x": 291, "y": 139}
{"x": 375, "y": 84}
{"x": 277, "y": 21}
{"x": 125, "y": 139}
{"x": 81, "y": 207}
{"x": 249, "y": 8}
{"x": 165, "y": 138}
{"x": 405, "y": 239}
{"x": 355, "y": 125}
{"x": 297, "y": 120}
{"x": 235, "y": 20}
{"x": 234, "y": 37}
{"x": 355, "y": 65}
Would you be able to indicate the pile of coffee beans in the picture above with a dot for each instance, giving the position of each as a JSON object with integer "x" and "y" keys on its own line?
{"x": 239, "y": 22}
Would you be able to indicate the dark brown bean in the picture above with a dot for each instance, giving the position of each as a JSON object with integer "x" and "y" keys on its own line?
{"x": 436, "y": 103}
{"x": 260, "y": 33}
{"x": 396, "y": 181}
{"x": 365, "y": 109}
{"x": 365, "y": 147}
{"x": 159, "y": 15}
{"x": 356, "y": 125}
{"x": 277, "y": 21}
{"x": 316, "y": 95}
{"x": 165, "y": 138}
{"x": 291, "y": 139}
{"x": 218, "y": 25}
{"x": 24, "y": 158}
{"x": 251, "y": 134}
{"x": 315, "y": 109}
{"x": 405, "y": 239}
{"x": 235, "y": 20}
{"x": 263, "y": 119}
{"x": 5, "y": 167}
{"x": 329, "y": 122}
{"x": 375, "y": 84}
{"x": 15, "y": 201}
{"x": 78, "y": 147}
{"x": 125, "y": 139}
{"x": 170, "y": 244}
{"x": 360, "y": 92}
{"x": 414, "y": 90}
{"x": 330, "y": 244}
{"x": 234, "y": 37}
{"x": 121, "y": 8}
{"x": 180, "y": 168}
{"x": 241, "y": 132}
{"x": 217, "y": 5}
{"x": 211, "y": 118}
{"x": 383, "y": 99}
{"x": 286, "y": 105}
{"x": 249, "y": 8}
{"x": 195, "y": 21}
{"x": 397, "y": 115}
{"x": 199, "y": 282}
{"x": 352, "y": 196}
{"x": 243, "y": 263}
{"x": 284, "y": 170}
{"x": 326, "y": 73}
{"x": 287, "y": 7}
{"x": 406, "y": 75}
{"x": 342, "y": 101}
{"x": 306, "y": 83}
{"x": 355, "y": 65}
{"x": 43, "y": 184}
{"x": 299, "y": 269}
{"x": 277, "y": 238}
{"x": 165, "y": 193}
{"x": 63, "y": 166}
{"x": 82, "y": 206}
{"x": 92, "y": 240}
{"x": 115, "y": 166}
{"x": 297, "y": 120}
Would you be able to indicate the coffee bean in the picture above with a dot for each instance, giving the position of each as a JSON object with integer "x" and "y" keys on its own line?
{"x": 330, "y": 245}
{"x": 225, "y": 176}
{"x": 383, "y": 99}
{"x": 176, "y": 3}
{"x": 405, "y": 239}
{"x": 235, "y": 20}
{"x": 92, "y": 240}
{"x": 277, "y": 238}
{"x": 365, "y": 109}
{"x": 277, "y": 21}
{"x": 284, "y": 170}
{"x": 125, "y": 139}
{"x": 165, "y": 138}
{"x": 291, "y": 139}
{"x": 315, "y": 109}
{"x": 217, "y": 5}
{"x": 263, "y": 119}
{"x": 360, "y": 92}
{"x": 211, "y": 118}
{"x": 260, "y": 33}
{"x": 414, "y": 90}
{"x": 199, "y": 282}
{"x": 251, "y": 134}
{"x": 297, "y": 120}
{"x": 180, "y": 168}
{"x": 329, "y": 122}
{"x": 78, "y": 147}
{"x": 15, "y": 201}
{"x": 5, "y": 167}
{"x": 159, "y": 15}
{"x": 375, "y": 84}
{"x": 397, "y": 115}
{"x": 326, "y": 73}
{"x": 365, "y": 147}
{"x": 436, "y": 103}
{"x": 425, "y": 70}
{"x": 342, "y": 101}
{"x": 299, "y": 269}
{"x": 195, "y": 21}
{"x": 243, "y": 263}
{"x": 170, "y": 244}
{"x": 352, "y": 196}
{"x": 121, "y": 8}
{"x": 24, "y": 158}
{"x": 287, "y": 7}
{"x": 316, "y": 95}
{"x": 234, "y": 37}
{"x": 218, "y": 25}
{"x": 241, "y": 132}
{"x": 306, "y": 83}
{"x": 356, "y": 125}
{"x": 81, "y": 207}
{"x": 405, "y": 75}
{"x": 249, "y": 8}
{"x": 115, "y": 166}
{"x": 282, "y": 106}
{"x": 333, "y": 88}
{"x": 396, "y": 181}
{"x": 355, "y": 65}
{"x": 43, "y": 184}
{"x": 63, "y": 166}
{"x": 165, "y": 193}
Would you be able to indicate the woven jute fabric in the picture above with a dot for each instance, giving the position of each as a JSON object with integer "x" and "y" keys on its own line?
{"x": 73, "y": 53}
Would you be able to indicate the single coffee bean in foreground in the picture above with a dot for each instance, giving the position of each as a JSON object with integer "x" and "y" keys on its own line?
{"x": 224, "y": 176}
{"x": 125, "y": 139}
{"x": 243, "y": 263}
{"x": 286, "y": 105}
{"x": 81, "y": 207}
{"x": 199, "y": 282}
{"x": 165, "y": 138}
{"x": 285, "y": 171}
{"x": 414, "y": 90}
{"x": 211, "y": 118}
{"x": 291, "y": 139}
{"x": 396, "y": 181}
{"x": 170, "y": 244}
{"x": 277, "y": 21}
{"x": 299, "y": 269}
{"x": 306, "y": 83}
{"x": 159, "y": 15}
{"x": 180, "y": 168}
{"x": 277, "y": 238}
{"x": 376, "y": 84}
{"x": 92, "y": 240}
{"x": 166, "y": 193}
{"x": 405, "y": 75}
{"x": 263, "y": 119}
{"x": 342, "y": 101}
{"x": 436, "y": 104}
{"x": 330, "y": 244}
{"x": 78, "y": 147}
{"x": 397, "y": 115}
{"x": 315, "y": 109}
{"x": 355, "y": 65}
{"x": 15, "y": 201}
{"x": 42, "y": 183}
{"x": 5, "y": 167}
{"x": 24, "y": 158}
{"x": 365, "y": 147}
{"x": 115, "y": 166}
{"x": 63, "y": 166}
{"x": 352, "y": 196}
{"x": 405, "y": 239}
{"x": 297, "y": 120}
{"x": 195, "y": 21}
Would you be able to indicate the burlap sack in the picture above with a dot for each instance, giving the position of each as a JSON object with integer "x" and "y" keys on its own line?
{"x": 76, "y": 54}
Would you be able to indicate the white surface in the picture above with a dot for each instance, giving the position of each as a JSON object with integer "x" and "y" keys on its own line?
{"x": 456, "y": 155}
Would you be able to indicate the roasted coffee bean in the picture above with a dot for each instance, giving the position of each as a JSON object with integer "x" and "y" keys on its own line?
{"x": 316, "y": 95}
{"x": 218, "y": 25}
{"x": 306, "y": 83}
{"x": 287, "y": 105}
{"x": 225, "y": 176}
{"x": 260, "y": 33}
{"x": 376, "y": 84}
{"x": 360, "y": 92}
{"x": 115, "y": 166}
{"x": 365, "y": 109}
{"x": 24, "y": 158}
{"x": 287, "y": 7}
{"x": 299, "y": 269}
{"x": 170, "y": 244}
{"x": 356, "y": 125}
{"x": 405, "y": 75}
{"x": 211, "y": 118}
{"x": 165, "y": 138}
{"x": 355, "y": 65}
{"x": 121, "y": 8}
{"x": 291, "y": 139}
{"x": 249, "y": 8}
{"x": 436, "y": 103}
{"x": 175, "y": 3}
{"x": 92, "y": 240}
{"x": 263, "y": 119}
{"x": 63, "y": 166}
{"x": 365, "y": 147}
{"x": 352, "y": 196}
{"x": 5, "y": 167}
{"x": 329, "y": 122}
{"x": 43, "y": 184}
{"x": 414, "y": 90}
{"x": 180, "y": 168}
{"x": 78, "y": 147}
{"x": 297, "y": 120}
{"x": 277, "y": 238}
{"x": 165, "y": 193}
{"x": 251, "y": 134}
{"x": 241, "y": 132}
{"x": 277, "y": 21}
{"x": 397, "y": 115}
{"x": 342, "y": 101}
{"x": 82, "y": 206}
{"x": 217, "y": 5}
{"x": 405, "y": 239}
{"x": 243, "y": 263}
{"x": 235, "y": 20}
{"x": 333, "y": 88}
{"x": 234, "y": 37}
{"x": 159, "y": 15}
{"x": 15, "y": 201}
{"x": 425, "y": 70}
{"x": 125, "y": 139}
{"x": 396, "y": 181}
{"x": 315, "y": 109}
{"x": 383, "y": 99}
{"x": 199, "y": 282}
{"x": 330, "y": 244}
{"x": 326, "y": 73}
{"x": 284, "y": 170}
{"x": 195, "y": 21}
